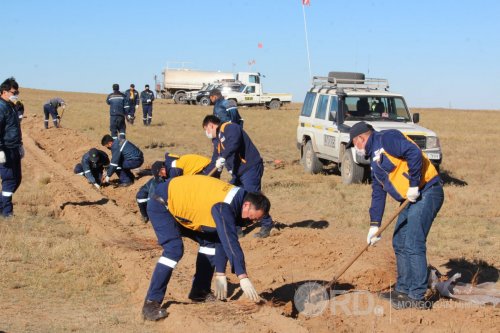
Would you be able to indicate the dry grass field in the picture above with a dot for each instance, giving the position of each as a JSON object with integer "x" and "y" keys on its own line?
{"x": 75, "y": 259}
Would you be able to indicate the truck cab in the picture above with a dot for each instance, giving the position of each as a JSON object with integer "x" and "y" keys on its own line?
{"x": 251, "y": 93}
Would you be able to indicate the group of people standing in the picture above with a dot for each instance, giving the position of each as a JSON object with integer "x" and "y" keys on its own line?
{"x": 122, "y": 108}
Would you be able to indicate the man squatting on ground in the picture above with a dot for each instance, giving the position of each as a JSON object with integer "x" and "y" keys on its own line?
{"x": 124, "y": 157}
{"x": 50, "y": 107}
{"x": 401, "y": 169}
{"x": 92, "y": 166}
{"x": 147, "y": 190}
{"x": 174, "y": 166}
{"x": 116, "y": 102}
{"x": 206, "y": 210}
{"x": 11, "y": 145}
{"x": 234, "y": 149}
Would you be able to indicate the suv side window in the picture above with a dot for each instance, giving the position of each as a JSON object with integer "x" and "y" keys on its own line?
{"x": 334, "y": 107}
{"x": 308, "y": 104}
{"x": 321, "y": 108}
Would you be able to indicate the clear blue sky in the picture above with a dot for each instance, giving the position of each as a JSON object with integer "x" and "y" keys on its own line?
{"x": 436, "y": 53}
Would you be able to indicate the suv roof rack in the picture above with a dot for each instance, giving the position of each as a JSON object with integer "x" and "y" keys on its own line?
{"x": 355, "y": 84}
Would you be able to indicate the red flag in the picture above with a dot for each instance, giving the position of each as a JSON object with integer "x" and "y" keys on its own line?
{"x": 306, "y": 2}
{"x": 260, "y": 45}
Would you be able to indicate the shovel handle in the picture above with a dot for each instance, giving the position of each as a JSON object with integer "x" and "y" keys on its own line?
{"x": 354, "y": 258}
{"x": 211, "y": 173}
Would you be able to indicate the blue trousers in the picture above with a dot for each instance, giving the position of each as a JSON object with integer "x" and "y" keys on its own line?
{"x": 117, "y": 126}
{"x": 11, "y": 175}
{"x": 169, "y": 234}
{"x": 147, "y": 113}
{"x": 48, "y": 109}
{"x": 251, "y": 181}
{"x": 409, "y": 241}
{"x": 126, "y": 176}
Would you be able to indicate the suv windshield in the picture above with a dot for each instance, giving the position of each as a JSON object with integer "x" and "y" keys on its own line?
{"x": 375, "y": 108}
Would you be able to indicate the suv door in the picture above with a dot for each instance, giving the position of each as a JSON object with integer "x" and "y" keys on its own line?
{"x": 320, "y": 124}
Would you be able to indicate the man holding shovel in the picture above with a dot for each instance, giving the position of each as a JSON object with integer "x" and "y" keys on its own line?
{"x": 401, "y": 169}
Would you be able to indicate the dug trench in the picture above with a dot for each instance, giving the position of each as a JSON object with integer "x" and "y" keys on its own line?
{"x": 295, "y": 253}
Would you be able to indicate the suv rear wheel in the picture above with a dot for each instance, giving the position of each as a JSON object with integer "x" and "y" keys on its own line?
{"x": 311, "y": 162}
{"x": 351, "y": 172}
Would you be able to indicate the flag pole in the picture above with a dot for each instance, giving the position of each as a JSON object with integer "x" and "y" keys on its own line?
{"x": 307, "y": 42}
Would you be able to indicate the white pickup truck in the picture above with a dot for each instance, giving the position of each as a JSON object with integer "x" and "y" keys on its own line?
{"x": 251, "y": 93}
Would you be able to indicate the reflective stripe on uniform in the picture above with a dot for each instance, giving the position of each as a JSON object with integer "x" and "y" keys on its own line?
{"x": 174, "y": 164}
{"x": 113, "y": 164}
{"x": 121, "y": 149}
{"x": 86, "y": 171}
{"x": 7, "y": 194}
{"x": 207, "y": 250}
{"x": 167, "y": 262}
{"x": 142, "y": 200}
{"x": 230, "y": 195}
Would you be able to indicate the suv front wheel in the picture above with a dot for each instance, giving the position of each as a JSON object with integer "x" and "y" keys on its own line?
{"x": 351, "y": 172}
{"x": 311, "y": 162}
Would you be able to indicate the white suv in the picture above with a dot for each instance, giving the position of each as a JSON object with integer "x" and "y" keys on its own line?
{"x": 337, "y": 102}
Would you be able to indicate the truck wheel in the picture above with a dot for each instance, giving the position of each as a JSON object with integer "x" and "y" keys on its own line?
{"x": 312, "y": 164}
{"x": 351, "y": 172}
{"x": 205, "y": 101}
{"x": 274, "y": 104}
{"x": 180, "y": 98}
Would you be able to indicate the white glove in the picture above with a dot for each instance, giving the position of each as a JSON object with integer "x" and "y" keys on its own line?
{"x": 220, "y": 287}
{"x": 249, "y": 290}
{"x": 219, "y": 164}
{"x": 148, "y": 101}
{"x": 2, "y": 157}
{"x": 129, "y": 116}
{"x": 97, "y": 186}
{"x": 21, "y": 151}
{"x": 370, "y": 239}
{"x": 413, "y": 194}
{"x": 137, "y": 107}
{"x": 64, "y": 106}
{"x": 106, "y": 179}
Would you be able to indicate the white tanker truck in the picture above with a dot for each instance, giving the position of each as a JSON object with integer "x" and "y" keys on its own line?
{"x": 178, "y": 81}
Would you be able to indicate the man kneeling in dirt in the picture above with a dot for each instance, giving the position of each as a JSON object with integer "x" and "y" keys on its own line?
{"x": 147, "y": 190}
{"x": 206, "y": 210}
{"x": 124, "y": 157}
{"x": 92, "y": 166}
{"x": 401, "y": 169}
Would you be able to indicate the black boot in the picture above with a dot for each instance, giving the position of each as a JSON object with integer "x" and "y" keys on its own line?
{"x": 152, "y": 311}
{"x": 201, "y": 296}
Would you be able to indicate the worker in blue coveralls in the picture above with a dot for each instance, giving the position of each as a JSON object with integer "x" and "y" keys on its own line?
{"x": 234, "y": 149}
{"x": 145, "y": 192}
{"x": 189, "y": 164}
{"x": 207, "y": 210}
{"x": 147, "y": 98}
{"x": 116, "y": 102}
{"x": 131, "y": 103}
{"x": 223, "y": 109}
{"x": 11, "y": 145}
{"x": 50, "y": 108}
{"x": 124, "y": 157}
{"x": 92, "y": 166}
{"x": 402, "y": 170}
